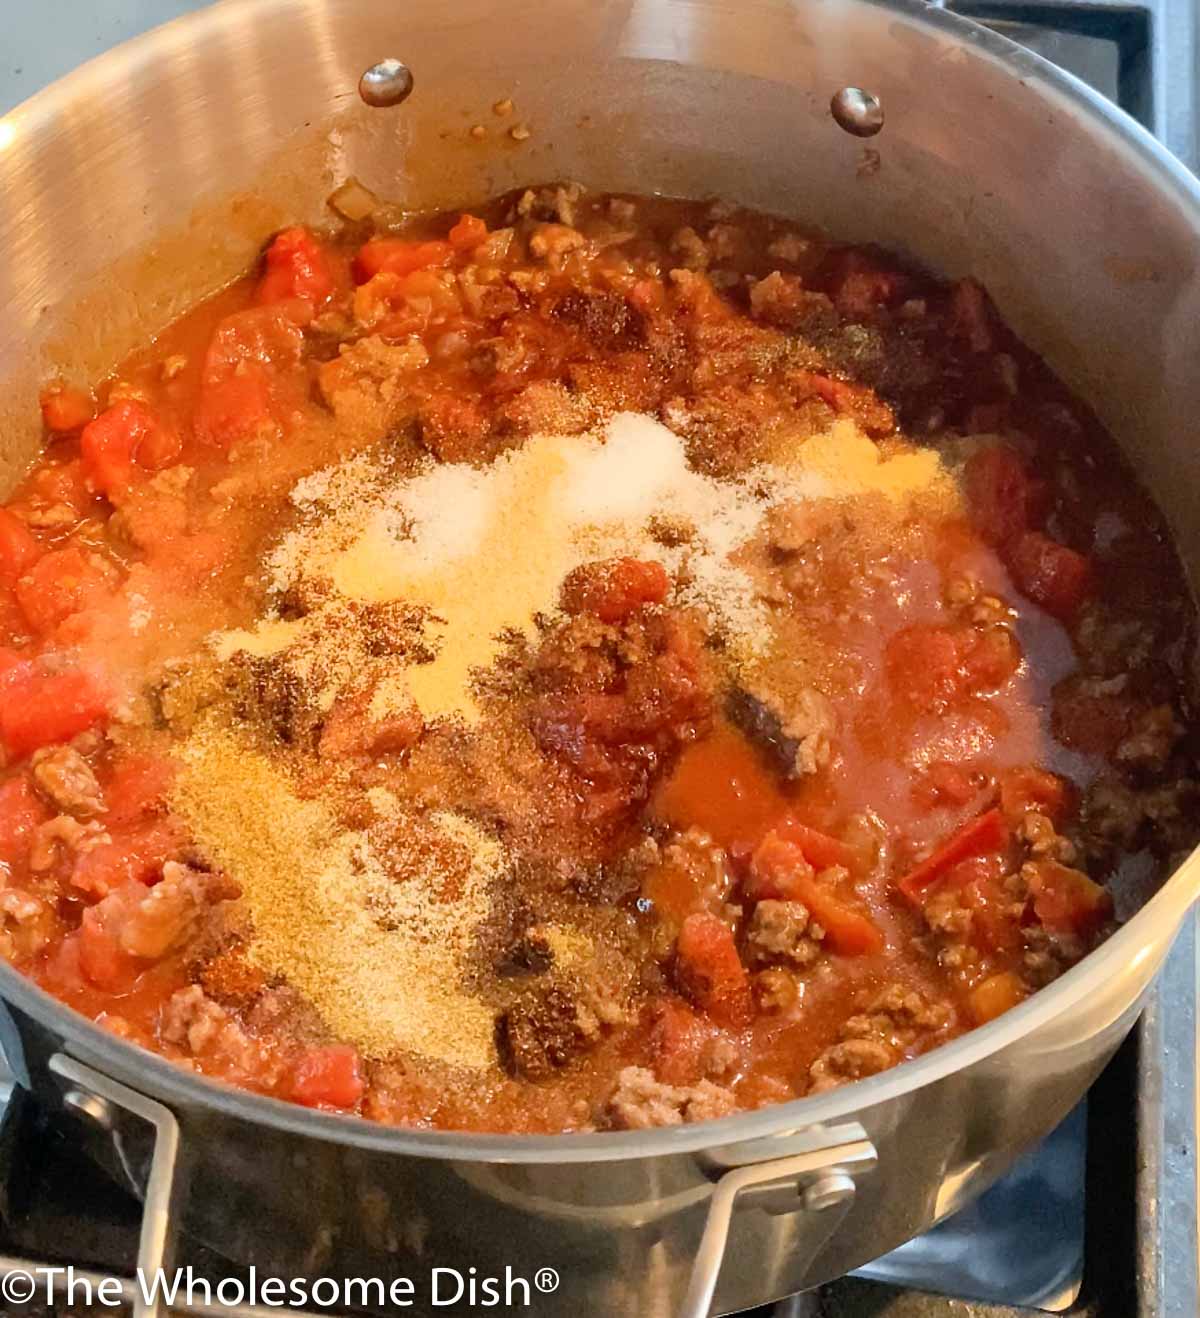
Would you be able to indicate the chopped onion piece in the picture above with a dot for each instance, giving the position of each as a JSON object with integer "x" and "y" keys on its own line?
{"x": 353, "y": 200}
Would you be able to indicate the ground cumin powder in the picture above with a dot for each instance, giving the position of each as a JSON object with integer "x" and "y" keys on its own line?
{"x": 379, "y": 954}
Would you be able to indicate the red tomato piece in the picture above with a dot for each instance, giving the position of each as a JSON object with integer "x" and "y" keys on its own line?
{"x": 1031, "y": 788}
{"x": 328, "y": 1077}
{"x": 41, "y": 709}
{"x": 18, "y": 548}
{"x": 123, "y": 437}
{"x": 468, "y": 233}
{"x": 247, "y": 350}
{"x": 1056, "y": 578}
{"x": 233, "y": 409}
{"x": 101, "y": 959}
{"x": 710, "y": 972}
{"x": 775, "y": 870}
{"x": 924, "y": 665}
{"x": 296, "y": 267}
{"x": 819, "y": 849}
{"x": 65, "y": 409}
{"x": 1002, "y": 495}
{"x": 21, "y": 811}
{"x": 399, "y": 256}
{"x": 1066, "y": 901}
{"x": 59, "y": 584}
{"x": 986, "y": 832}
{"x": 678, "y": 1038}
{"x": 614, "y": 589}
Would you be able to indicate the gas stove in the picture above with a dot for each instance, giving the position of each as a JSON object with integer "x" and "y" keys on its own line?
{"x": 1100, "y": 1220}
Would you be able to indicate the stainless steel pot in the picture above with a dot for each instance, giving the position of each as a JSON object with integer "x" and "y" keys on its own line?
{"x": 990, "y": 162}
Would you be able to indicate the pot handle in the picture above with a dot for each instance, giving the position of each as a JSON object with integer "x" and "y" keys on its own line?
{"x": 818, "y": 1182}
{"x": 93, "y": 1095}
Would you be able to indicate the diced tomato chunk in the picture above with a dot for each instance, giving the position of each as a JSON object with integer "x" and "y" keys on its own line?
{"x": 924, "y": 664}
{"x": 776, "y": 867}
{"x": 21, "y": 811}
{"x": 1030, "y": 788}
{"x": 59, "y": 584}
{"x": 929, "y": 667}
{"x": 1001, "y": 493}
{"x": 986, "y": 832}
{"x": 246, "y": 351}
{"x": 399, "y": 256}
{"x": 614, "y": 589}
{"x": 297, "y": 267}
{"x": 1066, "y": 901}
{"x": 123, "y": 437}
{"x": 710, "y": 972}
{"x": 995, "y": 995}
{"x": 40, "y": 709}
{"x": 1053, "y": 576}
{"x": 847, "y": 931}
{"x": 328, "y": 1077}
{"x": 468, "y": 233}
{"x": 678, "y": 1038}
{"x": 18, "y": 548}
{"x": 65, "y": 409}
{"x": 101, "y": 958}
{"x": 819, "y": 849}
{"x": 234, "y": 409}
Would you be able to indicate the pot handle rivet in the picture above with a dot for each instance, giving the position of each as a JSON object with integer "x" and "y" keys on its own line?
{"x": 90, "y": 1106}
{"x": 387, "y": 83}
{"x": 858, "y": 112}
{"x": 827, "y": 1191}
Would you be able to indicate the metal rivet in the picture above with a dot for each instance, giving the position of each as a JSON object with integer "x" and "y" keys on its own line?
{"x": 828, "y": 1190}
{"x": 857, "y": 111}
{"x": 91, "y": 1106}
{"x": 387, "y": 83}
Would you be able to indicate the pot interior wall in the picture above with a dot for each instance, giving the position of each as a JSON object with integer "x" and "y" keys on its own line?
{"x": 217, "y": 129}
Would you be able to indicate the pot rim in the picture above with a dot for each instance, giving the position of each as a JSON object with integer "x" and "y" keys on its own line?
{"x": 1128, "y": 948}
